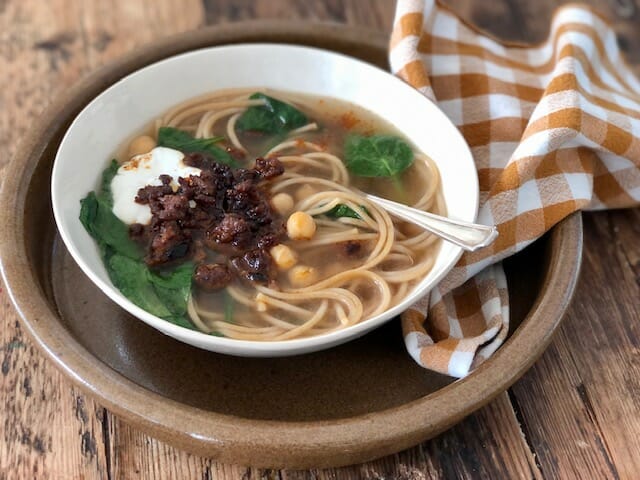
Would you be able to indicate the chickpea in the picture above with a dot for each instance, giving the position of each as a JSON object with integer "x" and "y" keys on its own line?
{"x": 261, "y": 305}
{"x": 282, "y": 203}
{"x": 141, "y": 144}
{"x": 302, "y": 275}
{"x": 284, "y": 257}
{"x": 304, "y": 191}
{"x": 301, "y": 226}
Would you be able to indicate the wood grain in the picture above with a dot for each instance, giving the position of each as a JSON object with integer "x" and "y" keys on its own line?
{"x": 576, "y": 414}
{"x": 586, "y": 385}
{"x": 489, "y": 444}
{"x": 529, "y": 21}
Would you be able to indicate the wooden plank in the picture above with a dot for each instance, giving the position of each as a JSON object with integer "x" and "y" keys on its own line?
{"x": 134, "y": 455}
{"x": 529, "y": 21}
{"x": 567, "y": 442}
{"x": 371, "y": 13}
{"x": 49, "y": 429}
{"x": 587, "y": 382}
{"x": 488, "y": 444}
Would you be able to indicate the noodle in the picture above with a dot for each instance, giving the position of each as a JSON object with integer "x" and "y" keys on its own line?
{"x": 395, "y": 256}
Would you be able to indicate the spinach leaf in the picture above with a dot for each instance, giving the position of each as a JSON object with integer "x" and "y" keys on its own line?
{"x": 272, "y": 117}
{"x": 107, "y": 177}
{"x": 174, "y": 287}
{"x": 88, "y": 213}
{"x": 164, "y": 295}
{"x": 180, "y": 140}
{"x": 182, "y": 321}
{"x": 173, "y": 279}
{"x": 341, "y": 210}
{"x": 131, "y": 277}
{"x": 105, "y": 227}
{"x": 377, "y": 155}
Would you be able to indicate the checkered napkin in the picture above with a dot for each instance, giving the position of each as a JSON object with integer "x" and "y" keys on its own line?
{"x": 553, "y": 128}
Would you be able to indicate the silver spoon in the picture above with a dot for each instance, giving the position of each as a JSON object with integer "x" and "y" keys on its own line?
{"x": 469, "y": 236}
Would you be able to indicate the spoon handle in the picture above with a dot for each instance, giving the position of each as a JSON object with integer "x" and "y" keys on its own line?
{"x": 469, "y": 236}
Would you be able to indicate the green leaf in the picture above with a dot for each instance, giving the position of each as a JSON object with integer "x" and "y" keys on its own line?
{"x": 341, "y": 210}
{"x": 131, "y": 277}
{"x": 102, "y": 224}
{"x": 173, "y": 279}
{"x": 89, "y": 212}
{"x": 181, "y": 321}
{"x": 107, "y": 177}
{"x": 163, "y": 294}
{"x": 174, "y": 287}
{"x": 377, "y": 155}
{"x": 180, "y": 140}
{"x": 272, "y": 117}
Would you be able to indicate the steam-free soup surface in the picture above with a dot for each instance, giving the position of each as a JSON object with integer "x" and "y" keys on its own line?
{"x": 321, "y": 256}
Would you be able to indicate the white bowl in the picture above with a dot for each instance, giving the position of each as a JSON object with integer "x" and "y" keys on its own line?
{"x": 127, "y": 106}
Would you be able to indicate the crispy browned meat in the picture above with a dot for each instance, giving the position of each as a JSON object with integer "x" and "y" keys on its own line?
{"x": 269, "y": 167}
{"x": 212, "y": 277}
{"x": 224, "y": 210}
{"x": 254, "y": 266}
{"x": 168, "y": 243}
{"x": 172, "y": 207}
{"x": 150, "y": 193}
{"x": 233, "y": 228}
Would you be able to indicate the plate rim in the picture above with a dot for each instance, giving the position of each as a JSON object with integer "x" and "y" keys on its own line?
{"x": 239, "y": 440}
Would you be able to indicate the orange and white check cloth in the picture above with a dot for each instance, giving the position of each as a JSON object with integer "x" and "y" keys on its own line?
{"x": 553, "y": 128}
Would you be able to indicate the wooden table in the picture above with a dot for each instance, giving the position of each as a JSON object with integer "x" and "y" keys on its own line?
{"x": 575, "y": 414}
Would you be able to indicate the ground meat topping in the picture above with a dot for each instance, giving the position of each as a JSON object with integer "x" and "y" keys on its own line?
{"x": 233, "y": 228}
{"x": 167, "y": 243}
{"x": 255, "y": 266}
{"x": 222, "y": 211}
{"x": 269, "y": 167}
{"x": 152, "y": 193}
{"x": 172, "y": 207}
{"x": 212, "y": 277}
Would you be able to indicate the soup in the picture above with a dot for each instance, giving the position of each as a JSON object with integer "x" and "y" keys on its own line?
{"x": 242, "y": 214}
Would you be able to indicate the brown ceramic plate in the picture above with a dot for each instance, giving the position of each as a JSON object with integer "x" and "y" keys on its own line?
{"x": 349, "y": 404}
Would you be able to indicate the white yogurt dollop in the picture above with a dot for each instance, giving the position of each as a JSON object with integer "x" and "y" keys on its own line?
{"x": 143, "y": 170}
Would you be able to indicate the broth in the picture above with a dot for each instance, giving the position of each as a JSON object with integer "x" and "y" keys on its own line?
{"x": 358, "y": 263}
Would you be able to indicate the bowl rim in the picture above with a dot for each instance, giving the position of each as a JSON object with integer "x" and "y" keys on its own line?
{"x": 240, "y": 440}
{"x": 253, "y": 347}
